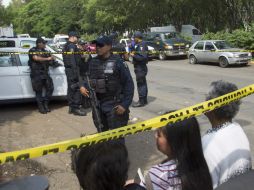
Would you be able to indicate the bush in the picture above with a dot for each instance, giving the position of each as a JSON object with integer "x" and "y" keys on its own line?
{"x": 238, "y": 38}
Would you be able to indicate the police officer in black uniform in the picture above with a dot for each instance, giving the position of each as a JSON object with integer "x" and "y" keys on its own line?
{"x": 117, "y": 47}
{"x": 72, "y": 59}
{"x": 112, "y": 81}
{"x": 83, "y": 68}
{"x": 140, "y": 60}
{"x": 39, "y": 60}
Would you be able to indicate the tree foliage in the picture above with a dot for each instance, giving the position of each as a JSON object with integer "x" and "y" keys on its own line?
{"x": 47, "y": 17}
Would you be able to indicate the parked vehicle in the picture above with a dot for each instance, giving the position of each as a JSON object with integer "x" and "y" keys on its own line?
{"x": 192, "y": 32}
{"x": 189, "y": 31}
{"x": 25, "y": 43}
{"x": 217, "y": 51}
{"x": 60, "y": 39}
{"x": 23, "y": 36}
{"x": 167, "y": 44}
{"x": 15, "y": 82}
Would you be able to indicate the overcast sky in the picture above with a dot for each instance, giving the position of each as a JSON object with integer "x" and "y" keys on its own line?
{"x": 6, "y": 2}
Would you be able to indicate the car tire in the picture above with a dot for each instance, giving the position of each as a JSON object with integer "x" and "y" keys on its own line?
{"x": 223, "y": 62}
{"x": 162, "y": 55}
{"x": 193, "y": 60}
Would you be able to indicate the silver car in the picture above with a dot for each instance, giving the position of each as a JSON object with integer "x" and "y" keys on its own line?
{"x": 217, "y": 51}
{"x": 15, "y": 82}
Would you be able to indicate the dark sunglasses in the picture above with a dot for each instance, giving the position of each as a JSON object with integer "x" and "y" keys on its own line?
{"x": 100, "y": 45}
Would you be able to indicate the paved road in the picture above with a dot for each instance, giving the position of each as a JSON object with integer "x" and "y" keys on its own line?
{"x": 173, "y": 84}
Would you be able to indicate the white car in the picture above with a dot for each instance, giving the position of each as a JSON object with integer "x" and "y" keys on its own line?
{"x": 217, "y": 51}
{"x": 59, "y": 40}
{"x": 15, "y": 81}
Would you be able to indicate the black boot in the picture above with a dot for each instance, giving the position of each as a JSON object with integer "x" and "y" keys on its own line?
{"x": 41, "y": 108}
{"x": 46, "y": 106}
{"x": 77, "y": 111}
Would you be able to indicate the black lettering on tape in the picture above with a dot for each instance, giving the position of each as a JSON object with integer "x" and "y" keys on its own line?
{"x": 225, "y": 99}
{"x": 148, "y": 129}
{"x": 138, "y": 131}
{"x": 23, "y": 156}
{"x": 210, "y": 104}
{"x": 171, "y": 117}
{"x": 53, "y": 150}
{"x": 71, "y": 147}
{"x": 127, "y": 134}
{"x": 197, "y": 108}
{"x": 179, "y": 114}
{"x": 84, "y": 144}
{"x": 9, "y": 159}
{"x": 163, "y": 119}
{"x": 217, "y": 102}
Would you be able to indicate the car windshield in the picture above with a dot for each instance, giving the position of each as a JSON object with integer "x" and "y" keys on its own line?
{"x": 63, "y": 39}
{"x": 171, "y": 35}
{"x": 222, "y": 45}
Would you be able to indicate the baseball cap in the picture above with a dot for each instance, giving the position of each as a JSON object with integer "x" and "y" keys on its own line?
{"x": 138, "y": 34}
{"x": 103, "y": 40}
{"x": 41, "y": 40}
{"x": 73, "y": 33}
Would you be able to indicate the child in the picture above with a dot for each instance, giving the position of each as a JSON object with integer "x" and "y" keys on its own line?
{"x": 185, "y": 167}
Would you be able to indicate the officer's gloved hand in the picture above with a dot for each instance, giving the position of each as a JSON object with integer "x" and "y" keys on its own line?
{"x": 55, "y": 64}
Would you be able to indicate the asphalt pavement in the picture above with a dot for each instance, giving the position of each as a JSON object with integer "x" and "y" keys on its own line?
{"x": 173, "y": 84}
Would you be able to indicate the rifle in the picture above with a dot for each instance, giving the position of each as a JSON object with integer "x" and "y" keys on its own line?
{"x": 95, "y": 104}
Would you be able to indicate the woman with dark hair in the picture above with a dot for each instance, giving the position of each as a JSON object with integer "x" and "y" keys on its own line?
{"x": 185, "y": 168}
{"x": 226, "y": 147}
{"x": 103, "y": 166}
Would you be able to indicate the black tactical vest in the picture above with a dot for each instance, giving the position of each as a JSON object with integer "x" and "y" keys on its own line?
{"x": 67, "y": 57}
{"x": 105, "y": 77}
{"x": 36, "y": 65}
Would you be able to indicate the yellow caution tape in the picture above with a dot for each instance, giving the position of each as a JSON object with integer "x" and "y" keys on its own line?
{"x": 90, "y": 52}
{"x": 147, "y": 125}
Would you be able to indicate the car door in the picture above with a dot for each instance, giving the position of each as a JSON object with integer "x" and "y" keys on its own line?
{"x": 209, "y": 53}
{"x": 198, "y": 51}
{"x": 59, "y": 79}
{"x": 10, "y": 86}
{"x": 25, "y": 72}
{"x": 57, "y": 74}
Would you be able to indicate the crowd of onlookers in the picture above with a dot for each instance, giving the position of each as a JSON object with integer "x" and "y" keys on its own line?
{"x": 193, "y": 162}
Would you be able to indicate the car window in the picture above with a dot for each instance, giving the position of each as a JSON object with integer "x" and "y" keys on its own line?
{"x": 24, "y": 59}
{"x": 27, "y": 44}
{"x": 222, "y": 45}
{"x": 209, "y": 46}
{"x": 196, "y": 32}
{"x": 6, "y": 61}
{"x": 199, "y": 46}
{"x": 63, "y": 39}
{"x": 7, "y": 43}
{"x": 171, "y": 35}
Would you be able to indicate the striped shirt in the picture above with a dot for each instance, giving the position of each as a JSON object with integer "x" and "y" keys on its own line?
{"x": 165, "y": 176}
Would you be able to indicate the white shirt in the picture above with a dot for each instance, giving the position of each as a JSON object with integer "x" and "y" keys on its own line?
{"x": 227, "y": 152}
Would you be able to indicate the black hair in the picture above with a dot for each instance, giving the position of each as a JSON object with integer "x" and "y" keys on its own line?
{"x": 184, "y": 140}
{"x": 102, "y": 166}
{"x": 219, "y": 88}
